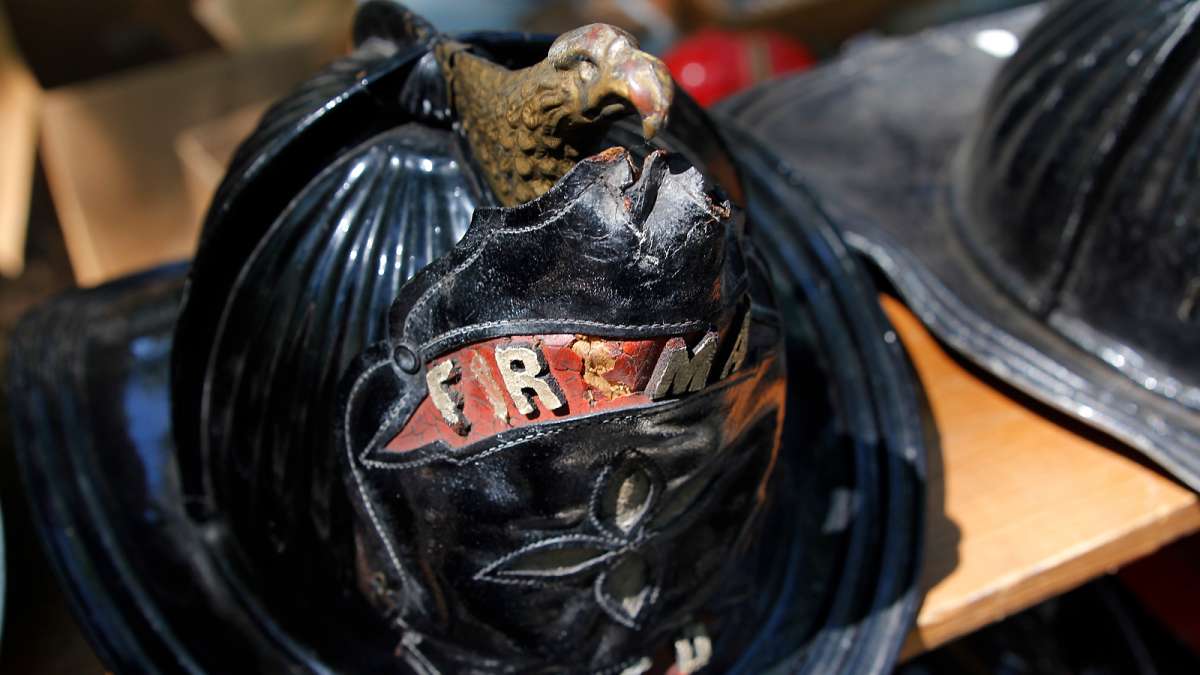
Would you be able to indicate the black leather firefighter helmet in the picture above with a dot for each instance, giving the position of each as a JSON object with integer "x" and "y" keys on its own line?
{"x": 1045, "y": 224}
{"x": 560, "y": 444}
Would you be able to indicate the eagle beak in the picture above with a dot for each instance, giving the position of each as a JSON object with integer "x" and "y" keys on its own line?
{"x": 651, "y": 91}
{"x": 645, "y": 83}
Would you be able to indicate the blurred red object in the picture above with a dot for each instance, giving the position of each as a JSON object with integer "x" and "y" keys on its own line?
{"x": 713, "y": 64}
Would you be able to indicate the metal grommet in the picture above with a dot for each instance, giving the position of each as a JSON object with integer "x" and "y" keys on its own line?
{"x": 406, "y": 359}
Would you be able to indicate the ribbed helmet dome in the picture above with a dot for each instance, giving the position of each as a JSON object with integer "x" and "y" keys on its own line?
{"x": 1080, "y": 195}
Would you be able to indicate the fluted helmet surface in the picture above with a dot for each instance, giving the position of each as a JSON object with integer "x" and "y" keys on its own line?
{"x": 1080, "y": 192}
{"x": 1025, "y": 181}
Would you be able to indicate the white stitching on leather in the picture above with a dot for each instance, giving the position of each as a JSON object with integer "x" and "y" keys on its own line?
{"x": 451, "y": 334}
{"x": 488, "y": 238}
{"x": 362, "y": 491}
{"x": 446, "y": 457}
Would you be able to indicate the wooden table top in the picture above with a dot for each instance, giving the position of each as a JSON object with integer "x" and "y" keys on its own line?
{"x": 1024, "y": 503}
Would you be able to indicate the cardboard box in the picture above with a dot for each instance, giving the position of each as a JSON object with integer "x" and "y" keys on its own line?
{"x": 109, "y": 148}
{"x": 206, "y": 150}
{"x": 113, "y": 104}
{"x": 239, "y": 24}
{"x": 69, "y": 41}
{"x": 20, "y": 97}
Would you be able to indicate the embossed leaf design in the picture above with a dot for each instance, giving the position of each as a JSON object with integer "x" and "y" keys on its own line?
{"x": 558, "y": 559}
{"x": 625, "y": 501}
{"x": 683, "y": 499}
{"x": 626, "y": 591}
{"x": 631, "y": 500}
{"x": 626, "y": 498}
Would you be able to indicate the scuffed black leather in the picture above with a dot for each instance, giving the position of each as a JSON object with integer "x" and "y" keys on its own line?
{"x": 608, "y": 252}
